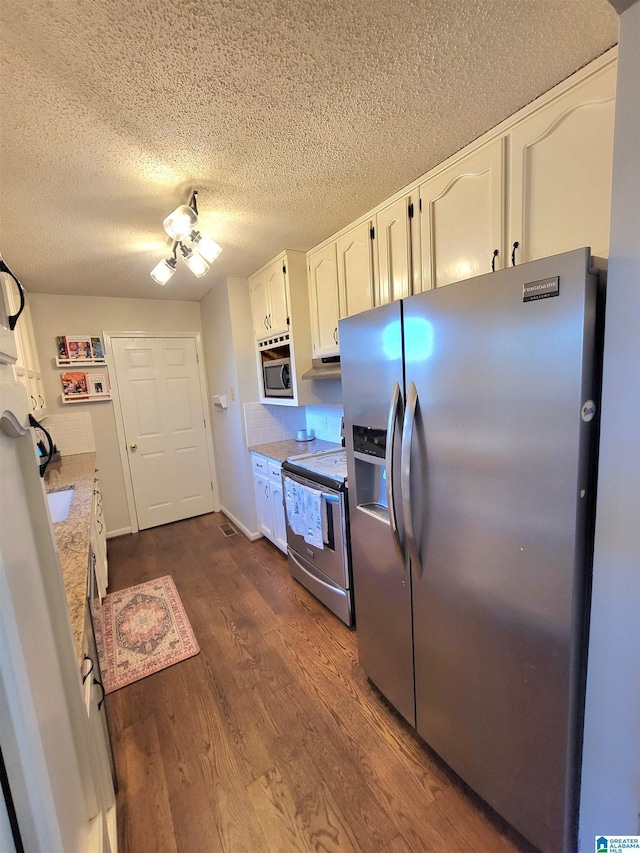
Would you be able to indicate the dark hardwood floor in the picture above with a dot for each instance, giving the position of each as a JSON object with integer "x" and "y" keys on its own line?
{"x": 271, "y": 739}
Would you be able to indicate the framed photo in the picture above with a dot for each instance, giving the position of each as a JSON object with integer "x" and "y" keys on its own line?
{"x": 98, "y": 384}
{"x": 78, "y": 347}
{"x": 74, "y": 384}
{"x": 96, "y": 348}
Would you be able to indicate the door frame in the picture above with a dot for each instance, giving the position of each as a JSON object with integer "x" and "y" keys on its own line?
{"x": 117, "y": 410}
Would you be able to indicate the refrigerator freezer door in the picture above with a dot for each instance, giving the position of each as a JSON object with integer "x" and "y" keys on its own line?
{"x": 371, "y": 352}
{"x": 498, "y": 461}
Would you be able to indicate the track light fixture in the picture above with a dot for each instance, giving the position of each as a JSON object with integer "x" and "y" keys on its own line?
{"x": 180, "y": 226}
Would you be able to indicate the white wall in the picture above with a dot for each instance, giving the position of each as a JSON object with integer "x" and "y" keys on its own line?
{"x": 93, "y": 315}
{"x": 610, "y": 801}
{"x": 230, "y": 356}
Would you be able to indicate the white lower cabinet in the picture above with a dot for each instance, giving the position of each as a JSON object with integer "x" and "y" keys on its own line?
{"x": 267, "y": 483}
{"x": 98, "y": 555}
{"x": 104, "y": 837}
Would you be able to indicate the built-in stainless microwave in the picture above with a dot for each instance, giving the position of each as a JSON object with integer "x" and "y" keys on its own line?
{"x": 276, "y": 374}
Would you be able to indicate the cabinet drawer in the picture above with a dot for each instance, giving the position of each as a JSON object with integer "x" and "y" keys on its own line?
{"x": 274, "y": 471}
{"x": 260, "y": 465}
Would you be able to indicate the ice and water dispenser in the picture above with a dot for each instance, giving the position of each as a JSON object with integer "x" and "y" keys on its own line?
{"x": 370, "y": 450}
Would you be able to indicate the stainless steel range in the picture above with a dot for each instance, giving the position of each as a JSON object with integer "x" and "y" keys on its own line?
{"x": 315, "y": 496}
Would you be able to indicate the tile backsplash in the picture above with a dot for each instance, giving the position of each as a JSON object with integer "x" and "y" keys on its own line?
{"x": 265, "y": 424}
{"x": 71, "y": 432}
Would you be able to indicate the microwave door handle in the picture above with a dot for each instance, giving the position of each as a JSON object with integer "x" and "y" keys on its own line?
{"x": 395, "y": 414}
{"x": 405, "y": 475}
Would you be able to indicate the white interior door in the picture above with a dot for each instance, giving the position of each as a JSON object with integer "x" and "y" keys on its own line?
{"x": 164, "y": 425}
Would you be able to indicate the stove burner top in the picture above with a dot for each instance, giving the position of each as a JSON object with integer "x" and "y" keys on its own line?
{"x": 330, "y": 463}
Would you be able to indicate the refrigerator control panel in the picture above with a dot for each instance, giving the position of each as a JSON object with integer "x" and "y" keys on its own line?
{"x": 371, "y": 441}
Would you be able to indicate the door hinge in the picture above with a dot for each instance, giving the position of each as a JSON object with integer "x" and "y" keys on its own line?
{"x": 197, "y": 359}
{"x": 372, "y": 233}
{"x": 420, "y": 205}
{"x": 284, "y": 269}
{"x": 411, "y": 211}
{"x": 204, "y": 422}
{"x": 288, "y": 321}
{"x": 211, "y": 485}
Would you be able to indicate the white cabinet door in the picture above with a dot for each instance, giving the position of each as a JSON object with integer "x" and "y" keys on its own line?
{"x": 263, "y": 505}
{"x": 355, "y": 270}
{"x": 323, "y": 298}
{"x": 462, "y": 218}
{"x": 393, "y": 234}
{"x": 560, "y": 173}
{"x": 278, "y": 302}
{"x": 259, "y": 290}
{"x": 277, "y": 507}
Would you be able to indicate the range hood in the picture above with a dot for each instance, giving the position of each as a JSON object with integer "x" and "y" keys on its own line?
{"x": 324, "y": 368}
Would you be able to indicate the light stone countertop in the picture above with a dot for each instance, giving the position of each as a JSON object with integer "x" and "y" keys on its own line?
{"x": 281, "y": 450}
{"x": 73, "y": 535}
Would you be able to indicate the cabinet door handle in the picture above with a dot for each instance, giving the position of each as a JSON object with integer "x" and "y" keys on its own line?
{"x": 34, "y": 404}
{"x": 101, "y": 686}
{"x": 266, "y": 491}
{"x": 12, "y": 319}
{"x": 100, "y": 523}
{"x": 335, "y": 334}
{"x": 496, "y": 252}
{"x": 40, "y": 397}
{"x": 266, "y": 324}
{"x": 270, "y": 324}
{"x": 516, "y": 245}
{"x": 90, "y": 670}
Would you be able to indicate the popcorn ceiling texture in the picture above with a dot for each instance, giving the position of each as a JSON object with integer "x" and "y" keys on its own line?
{"x": 290, "y": 118}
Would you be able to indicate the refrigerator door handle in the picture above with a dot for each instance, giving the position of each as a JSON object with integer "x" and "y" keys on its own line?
{"x": 405, "y": 474}
{"x": 395, "y": 414}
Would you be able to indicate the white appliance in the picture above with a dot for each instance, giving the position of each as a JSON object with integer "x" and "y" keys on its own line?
{"x": 471, "y": 420}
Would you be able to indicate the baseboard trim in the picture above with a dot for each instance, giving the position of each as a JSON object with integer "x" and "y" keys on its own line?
{"x": 251, "y": 535}
{"x": 123, "y": 531}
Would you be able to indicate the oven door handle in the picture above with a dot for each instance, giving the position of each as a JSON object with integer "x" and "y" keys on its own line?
{"x": 333, "y": 587}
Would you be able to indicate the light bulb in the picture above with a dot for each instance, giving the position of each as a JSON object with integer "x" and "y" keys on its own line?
{"x": 163, "y": 271}
{"x": 180, "y": 222}
{"x": 194, "y": 261}
{"x": 205, "y": 246}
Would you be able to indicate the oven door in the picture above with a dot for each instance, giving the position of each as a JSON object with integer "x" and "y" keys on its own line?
{"x": 332, "y": 559}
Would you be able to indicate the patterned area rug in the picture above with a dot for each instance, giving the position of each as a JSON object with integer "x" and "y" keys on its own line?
{"x": 144, "y": 629}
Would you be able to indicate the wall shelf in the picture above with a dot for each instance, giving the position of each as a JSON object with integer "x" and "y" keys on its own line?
{"x": 86, "y": 398}
{"x": 80, "y": 362}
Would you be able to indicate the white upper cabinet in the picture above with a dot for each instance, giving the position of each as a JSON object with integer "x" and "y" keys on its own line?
{"x": 462, "y": 218}
{"x": 27, "y": 365}
{"x": 394, "y": 234}
{"x": 269, "y": 304}
{"x": 323, "y": 300}
{"x": 355, "y": 269}
{"x": 560, "y": 170}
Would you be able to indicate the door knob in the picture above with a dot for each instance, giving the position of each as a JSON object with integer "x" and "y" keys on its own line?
{"x": 133, "y": 447}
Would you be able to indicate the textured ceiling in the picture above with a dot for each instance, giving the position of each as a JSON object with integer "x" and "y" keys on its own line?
{"x": 290, "y": 118}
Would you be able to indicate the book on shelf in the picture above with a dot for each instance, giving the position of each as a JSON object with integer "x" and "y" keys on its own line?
{"x": 78, "y": 347}
{"x": 74, "y": 384}
{"x": 98, "y": 384}
{"x": 61, "y": 346}
{"x": 97, "y": 350}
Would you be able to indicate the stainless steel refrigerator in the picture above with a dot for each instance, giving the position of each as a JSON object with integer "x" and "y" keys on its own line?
{"x": 471, "y": 431}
